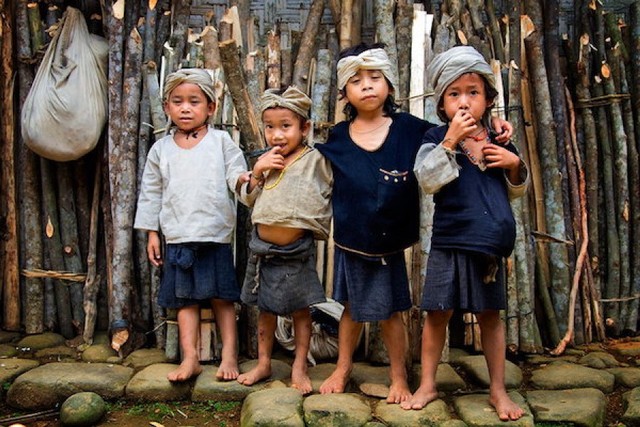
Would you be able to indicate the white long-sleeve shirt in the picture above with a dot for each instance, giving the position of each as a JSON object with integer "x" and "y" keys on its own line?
{"x": 188, "y": 194}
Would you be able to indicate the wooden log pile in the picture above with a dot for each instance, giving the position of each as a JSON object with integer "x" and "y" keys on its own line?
{"x": 72, "y": 264}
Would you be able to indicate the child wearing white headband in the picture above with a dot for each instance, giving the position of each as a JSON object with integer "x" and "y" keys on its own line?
{"x": 375, "y": 208}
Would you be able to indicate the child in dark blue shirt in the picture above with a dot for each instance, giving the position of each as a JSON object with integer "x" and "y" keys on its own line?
{"x": 472, "y": 179}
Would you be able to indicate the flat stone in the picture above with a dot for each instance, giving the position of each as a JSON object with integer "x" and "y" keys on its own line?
{"x": 628, "y": 348}
{"x": 476, "y": 367}
{"x": 562, "y": 375}
{"x": 475, "y": 411}
{"x": 626, "y": 377}
{"x": 541, "y": 359}
{"x": 447, "y": 379}
{"x": 319, "y": 373}
{"x": 380, "y": 391}
{"x": 631, "y": 416}
{"x": 40, "y": 341}
{"x": 344, "y": 409}
{"x": 10, "y": 369}
{"x": 273, "y": 408}
{"x": 151, "y": 385}
{"x": 58, "y": 353}
{"x": 144, "y": 357}
{"x": 7, "y": 350}
{"x": 366, "y": 373}
{"x": 7, "y": 337}
{"x": 207, "y": 387}
{"x": 577, "y": 407}
{"x": 51, "y": 384}
{"x": 599, "y": 360}
{"x": 434, "y": 414}
{"x": 98, "y": 353}
{"x": 455, "y": 354}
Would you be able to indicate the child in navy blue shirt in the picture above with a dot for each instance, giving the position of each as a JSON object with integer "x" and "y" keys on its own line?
{"x": 472, "y": 179}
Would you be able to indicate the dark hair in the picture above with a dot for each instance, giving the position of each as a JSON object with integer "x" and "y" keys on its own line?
{"x": 389, "y": 106}
{"x": 490, "y": 94}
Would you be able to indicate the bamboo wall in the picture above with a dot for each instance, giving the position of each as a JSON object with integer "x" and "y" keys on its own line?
{"x": 570, "y": 87}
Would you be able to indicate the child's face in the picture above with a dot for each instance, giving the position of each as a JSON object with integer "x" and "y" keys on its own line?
{"x": 468, "y": 93}
{"x": 367, "y": 90}
{"x": 188, "y": 107}
{"x": 284, "y": 128}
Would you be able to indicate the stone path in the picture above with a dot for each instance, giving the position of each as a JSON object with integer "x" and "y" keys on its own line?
{"x": 571, "y": 390}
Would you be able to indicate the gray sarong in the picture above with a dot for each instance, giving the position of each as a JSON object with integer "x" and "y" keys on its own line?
{"x": 282, "y": 279}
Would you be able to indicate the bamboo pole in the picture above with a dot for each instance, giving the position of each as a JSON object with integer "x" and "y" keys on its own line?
{"x": 10, "y": 274}
{"x": 234, "y": 75}
{"x": 403, "y": 30}
{"x": 92, "y": 282}
{"x": 385, "y": 30}
{"x": 559, "y": 258}
{"x": 307, "y": 46}
{"x": 28, "y": 189}
{"x": 273, "y": 59}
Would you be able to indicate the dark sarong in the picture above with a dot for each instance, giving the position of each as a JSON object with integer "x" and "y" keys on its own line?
{"x": 282, "y": 279}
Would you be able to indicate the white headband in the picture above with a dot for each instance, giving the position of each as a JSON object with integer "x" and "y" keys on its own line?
{"x": 371, "y": 59}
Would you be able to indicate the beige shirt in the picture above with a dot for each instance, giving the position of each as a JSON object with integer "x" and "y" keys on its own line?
{"x": 301, "y": 198}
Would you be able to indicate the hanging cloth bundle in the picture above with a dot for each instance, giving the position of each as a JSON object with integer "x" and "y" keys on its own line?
{"x": 66, "y": 108}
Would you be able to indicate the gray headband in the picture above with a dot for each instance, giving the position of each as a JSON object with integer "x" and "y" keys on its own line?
{"x": 196, "y": 76}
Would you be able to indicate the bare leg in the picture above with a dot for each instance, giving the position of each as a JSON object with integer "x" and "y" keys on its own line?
{"x": 266, "y": 337}
{"x": 348, "y": 334}
{"x": 225, "y": 313}
{"x": 189, "y": 329}
{"x": 433, "y": 338}
{"x": 302, "y": 327}
{"x": 494, "y": 346}
{"x": 394, "y": 336}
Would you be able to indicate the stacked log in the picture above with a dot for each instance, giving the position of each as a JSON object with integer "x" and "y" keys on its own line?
{"x": 576, "y": 265}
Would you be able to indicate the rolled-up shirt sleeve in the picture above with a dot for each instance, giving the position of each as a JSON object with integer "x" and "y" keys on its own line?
{"x": 435, "y": 167}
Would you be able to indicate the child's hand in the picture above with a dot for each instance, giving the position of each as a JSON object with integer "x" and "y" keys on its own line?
{"x": 503, "y": 128}
{"x": 272, "y": 159}
{"x": 462, "y": 124}
{"x": 154, "y": 251}
{"x": 496, "y": 156}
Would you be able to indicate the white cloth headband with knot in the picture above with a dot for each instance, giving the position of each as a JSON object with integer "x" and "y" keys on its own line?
{"x": 371, "y": 59}
{"x": 446, "y": 67}
{"x": 292, "y": 99}
{"x": 196, "y": 76}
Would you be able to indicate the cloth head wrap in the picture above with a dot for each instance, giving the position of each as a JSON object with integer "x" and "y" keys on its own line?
{"x": 447, "y": 66}
{"x": 371, "y": 59}
{"x": 196, "y": 76}
{"x": 292, "y": 99}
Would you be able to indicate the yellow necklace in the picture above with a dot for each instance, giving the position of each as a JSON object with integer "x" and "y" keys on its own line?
{"x": 275, "y": 184}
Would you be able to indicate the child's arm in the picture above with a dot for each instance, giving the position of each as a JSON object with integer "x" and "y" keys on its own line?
{"x": 154, "y": 248}
{"x": 435, "y": 164}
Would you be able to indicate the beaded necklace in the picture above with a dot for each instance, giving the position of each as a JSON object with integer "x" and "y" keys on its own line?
{"x": 483, "y": 135}
{"x": 275, "y": 184}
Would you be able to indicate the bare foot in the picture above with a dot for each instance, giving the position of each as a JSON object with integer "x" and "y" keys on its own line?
{"x": 337, "y": 381}
{"x": 421, "y": 398}
{"x": 301, "y": 381}
{"x": 228, "y": 370}
{"x": 187, "y": 369}
{"x": 507, "y": 409}
{"x": 399, "y": 391}
{"x": 259, "y": 373}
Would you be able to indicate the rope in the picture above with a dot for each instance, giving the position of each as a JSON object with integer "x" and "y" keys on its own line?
{"x": 601, "y": 101}
{"x": 49, "y": 274}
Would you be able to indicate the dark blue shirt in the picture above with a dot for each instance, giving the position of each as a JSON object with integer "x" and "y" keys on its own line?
{"x": 472, "y": 212}
{"x": 375, "y": 193}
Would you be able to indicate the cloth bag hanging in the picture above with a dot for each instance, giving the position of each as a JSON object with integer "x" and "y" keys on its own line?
{"x": 67, "y": 106}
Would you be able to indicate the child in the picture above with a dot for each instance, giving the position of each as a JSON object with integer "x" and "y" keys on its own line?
{"x": 186, "y": 193}
{"x": 290, "y": 191}
{"x": 472, "y": 179}
{"x": 375, "y": 210}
